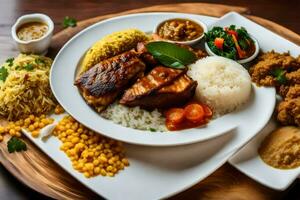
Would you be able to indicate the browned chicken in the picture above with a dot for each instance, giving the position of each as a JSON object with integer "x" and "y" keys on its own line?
{"x": 163, "y": 87}
{"x": 101, "y": 84}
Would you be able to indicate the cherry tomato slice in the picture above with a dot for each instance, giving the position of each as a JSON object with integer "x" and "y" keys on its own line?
{"x": 175, "y": 115}
{"x": 194, "y": 113}
{"x": 208, "y": 112}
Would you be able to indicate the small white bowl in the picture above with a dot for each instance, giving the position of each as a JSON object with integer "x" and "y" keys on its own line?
{"x": 189, "y": 42}
{"x": 38, "y": 46}
{"x": 243, "y": 61}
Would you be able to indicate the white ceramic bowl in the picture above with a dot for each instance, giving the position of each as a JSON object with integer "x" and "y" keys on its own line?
{"x": 243, "y": 61}
{"x": 38, "y": 46}
{"x": 189, "y": 42}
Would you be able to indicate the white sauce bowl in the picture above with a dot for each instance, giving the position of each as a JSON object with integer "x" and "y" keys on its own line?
{"x": 38, "y": 46}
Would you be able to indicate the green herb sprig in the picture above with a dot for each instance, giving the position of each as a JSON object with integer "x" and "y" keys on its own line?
{"x": 279, "y": 75}
{"x": 3, "y": 73}
{"x": 16, "y": 145}
{"x": 10, "y": 61}
{"x": 69, "y": 22}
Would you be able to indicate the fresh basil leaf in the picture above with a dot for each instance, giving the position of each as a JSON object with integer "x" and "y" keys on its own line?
{"x": 170, "y": 54}
{"x": 3, "y": 73}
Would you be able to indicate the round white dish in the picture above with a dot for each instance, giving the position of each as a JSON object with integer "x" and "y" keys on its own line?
{"x": 242, "y": 61}
{"x": 189, "y": 42}
{"x": 62, "y": 77}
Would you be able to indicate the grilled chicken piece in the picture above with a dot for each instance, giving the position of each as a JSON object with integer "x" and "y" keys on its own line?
{"x": 101, "y": 84}
{"x": 161, "y": 88}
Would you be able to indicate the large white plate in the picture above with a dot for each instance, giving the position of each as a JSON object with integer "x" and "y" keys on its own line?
{"x": 62, "y": 83}
{"x": 160, "y": 172}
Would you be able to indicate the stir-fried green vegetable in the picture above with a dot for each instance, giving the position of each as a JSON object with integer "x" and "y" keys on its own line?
{"x": 230, "y": 42}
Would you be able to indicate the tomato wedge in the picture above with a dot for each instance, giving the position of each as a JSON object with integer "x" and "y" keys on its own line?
{"x": 219, "y": 43}
{"x": 175, "y": 115}
{"x": 194, "y": 113}
{"x": 208, "y": 112}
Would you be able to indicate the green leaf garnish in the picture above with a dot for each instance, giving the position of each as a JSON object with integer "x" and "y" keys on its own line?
{"x": 170, "y": 54}
{"x": 3, "y": 73}
{"x": 39, "y": 61}
{"x": 69, "y": 22}
{"x": 152, "y": 129}
{"x": 279, "y": 75}
{"x": 10, "y": 61}
{"x": 28, "y": 67}
{"x": 15, "y": 144}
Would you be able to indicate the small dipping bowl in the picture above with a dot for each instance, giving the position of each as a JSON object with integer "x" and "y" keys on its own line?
{"x": 188, "y": 42}
{"x": 36, "y": 46}
{"x": 242, "y": 61}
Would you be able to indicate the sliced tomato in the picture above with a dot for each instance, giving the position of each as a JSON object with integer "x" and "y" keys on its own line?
{"x": 194, "y": 112}
{"x": 208, "y": 112}
{"x": 219, "y": 42}
{"x": 175, "y": 115}
{"x": 232, "y": 32}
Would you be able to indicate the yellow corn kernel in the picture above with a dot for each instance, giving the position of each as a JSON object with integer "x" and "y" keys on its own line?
{"x": 2, "y": 130}
{"x": 125, "y": 162}
{"x": 41, "y": 125}
{"x": 103, "y": 159}
{"x": 31, "y": 117}
{"x": 103, "y": 172}
{"x": 87, "y": 175}
{"x": 18, "y": 134}
{"x": 12, "y": 132}
{"x": 110, "y": 174}
{"x": 31, "y": 128}
{"x": 35, "y": 134}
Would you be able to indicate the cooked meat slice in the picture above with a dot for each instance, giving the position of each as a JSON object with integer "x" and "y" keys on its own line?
{"x": 156, "y": 79}
{"x": 102, "y": 83}
{"x": 175, "y": 92}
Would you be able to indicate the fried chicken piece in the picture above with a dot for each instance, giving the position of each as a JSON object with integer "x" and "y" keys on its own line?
{"x": 262, "y": 73}
{"x": 289, "y": 112}
{"x": 290, "y": 92}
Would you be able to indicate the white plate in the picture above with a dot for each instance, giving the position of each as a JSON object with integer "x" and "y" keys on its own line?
{"x": 249, "y": 162}
{"x": 62, "y": 84}
{"x": 165, "y": 171}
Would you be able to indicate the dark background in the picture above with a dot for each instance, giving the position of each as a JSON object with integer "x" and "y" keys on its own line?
{"x": 284, "y": 12}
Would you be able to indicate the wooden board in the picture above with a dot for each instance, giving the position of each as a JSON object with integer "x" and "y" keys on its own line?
{"x": 40, "y": 173}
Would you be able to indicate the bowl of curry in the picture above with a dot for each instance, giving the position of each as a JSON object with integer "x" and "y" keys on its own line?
{"x": 180, "y": 30}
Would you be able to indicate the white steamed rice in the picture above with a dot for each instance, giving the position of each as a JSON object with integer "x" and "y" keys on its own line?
{"x": 135, "y": 117}
{"x": 223, "y": 84}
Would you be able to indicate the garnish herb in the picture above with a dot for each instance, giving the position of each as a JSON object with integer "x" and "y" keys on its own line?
{"x": 69, "y": 22}
{"x": 170, "y": 54}
{"x": 14, "y": 144}
{"x": 3, "y": 73}
{"x": 10, "y": 61}
{"x": 152, "y": 129}
{"x": 279, "y": 75}
{"x": 39, "y": 61}
{"x": 28, "y": 67}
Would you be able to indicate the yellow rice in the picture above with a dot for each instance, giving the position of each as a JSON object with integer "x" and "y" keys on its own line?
{"x": 111, "y": 45}
{"x": 26, "y": 90}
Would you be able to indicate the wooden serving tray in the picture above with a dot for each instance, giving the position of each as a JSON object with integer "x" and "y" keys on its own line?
{"x": 40, "y": 173}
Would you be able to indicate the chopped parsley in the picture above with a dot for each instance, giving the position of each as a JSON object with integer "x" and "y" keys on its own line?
{"x": 39, "y": 61}
{"x": 14, "y": 144}
{"x": 69, "y": 22}
{"x": 152, "y": 129}
{"x": 10, "y": 61}
{"x": 3, "y": 73}
{"x": 279, "y": 75}
{"x": 28, "y": 67}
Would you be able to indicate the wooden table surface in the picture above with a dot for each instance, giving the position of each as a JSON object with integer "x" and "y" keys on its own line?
{"x": 282, "y": 12}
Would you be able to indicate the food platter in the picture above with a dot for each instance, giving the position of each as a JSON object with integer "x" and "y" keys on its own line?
{"x": 62, "y": 78}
